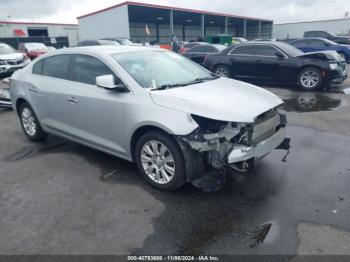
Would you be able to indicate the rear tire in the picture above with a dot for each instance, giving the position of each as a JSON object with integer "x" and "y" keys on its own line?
{"x": 222, "y": 70}
{"x": 310, "y": 78}
{"x": 160, "y": 161}
{"x": 30, "y": 123}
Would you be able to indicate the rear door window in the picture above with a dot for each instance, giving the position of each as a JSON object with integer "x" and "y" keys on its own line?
{"x": 57, "y": 66}
{"x": 38, "y": 68}
{"x": 265, "y": 50}
{"x": 317, "y": 42}
{"x": 301, "y": 42}
{"x": 86, "y": 68}
{"x": 243, "y": 50}
{"x": 203, "y": 49}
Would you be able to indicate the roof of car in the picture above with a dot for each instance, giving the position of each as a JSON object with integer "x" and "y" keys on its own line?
{"x": 312, "y": 38}
{"x": 107, "y": 49}
{"x": 275, "y": 43}
{"x": 259, "y": 42}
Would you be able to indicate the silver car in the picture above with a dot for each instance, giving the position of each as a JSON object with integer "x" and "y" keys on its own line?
{"x": 172, "y": 117}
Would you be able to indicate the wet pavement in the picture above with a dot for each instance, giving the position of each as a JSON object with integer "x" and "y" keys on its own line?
{"x": 59, "y": 197}
{"x": 311, "y": 102}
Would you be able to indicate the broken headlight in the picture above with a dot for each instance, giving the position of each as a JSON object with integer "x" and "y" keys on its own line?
{"x": 208, "y": 125}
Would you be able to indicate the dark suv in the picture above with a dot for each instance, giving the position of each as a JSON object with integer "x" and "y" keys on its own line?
{"x": 323, "y": 34}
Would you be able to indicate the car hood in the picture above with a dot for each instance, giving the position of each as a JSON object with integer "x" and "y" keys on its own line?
{"x": 323, "y": 55}
{"x": 222, "y": 99}
{"x": 11, "y": 56}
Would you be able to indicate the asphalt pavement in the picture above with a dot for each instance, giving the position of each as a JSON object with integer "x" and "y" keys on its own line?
{"x": 59, "y": 197}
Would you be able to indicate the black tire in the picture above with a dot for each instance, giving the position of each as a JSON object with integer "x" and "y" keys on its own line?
{"x": 222, "y": 70}
{"x": 343, "y": 55}
{"x": 179, "y": 177}
{"x": 310, "y": 78}
{"x": 38, "y": 134}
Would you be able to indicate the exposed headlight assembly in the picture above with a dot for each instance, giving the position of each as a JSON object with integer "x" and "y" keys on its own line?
{"x": 2, "y": 62}
{"x": 333, "y": 66}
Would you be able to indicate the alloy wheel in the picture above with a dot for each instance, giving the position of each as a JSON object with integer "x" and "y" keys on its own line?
{"x": 28, "y": 121}
{"x": 158, "y": 162}
{"x": 222, "y": 71}
{"x": 310, "y": 79}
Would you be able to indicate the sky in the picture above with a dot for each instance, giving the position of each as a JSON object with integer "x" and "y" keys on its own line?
{"x": 281, "y": 11}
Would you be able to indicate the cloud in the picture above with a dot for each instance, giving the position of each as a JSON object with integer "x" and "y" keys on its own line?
{"x": 278, "y": 10}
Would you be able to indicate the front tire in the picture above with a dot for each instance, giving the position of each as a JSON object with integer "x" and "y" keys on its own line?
{"x": 30, "y": 123}
{"x": 160, "y": 161}
{"x": 310, "y": 78}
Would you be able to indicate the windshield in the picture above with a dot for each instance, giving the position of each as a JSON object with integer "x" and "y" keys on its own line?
{"x": 289, "y": 49}
{"x": 35, "y": 46}
{"x": 154, "y": 69}
{"x": 6, "y": 49}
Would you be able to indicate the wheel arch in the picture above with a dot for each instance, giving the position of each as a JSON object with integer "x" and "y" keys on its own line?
{"x": 307, "y": 66}
{"x": 140, "y": 131}
{"x": 19, "y": 102}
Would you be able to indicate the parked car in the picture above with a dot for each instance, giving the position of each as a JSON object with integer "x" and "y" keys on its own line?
{"x": 33, "y": 50}
{"x": 278, "y": 62}
{"x": 97, "y": 42}
{"x": 324, "y": 34}
{"x": 198, "y": 53}
{"x": 10, "y": 60}
{"x": 322, "y": 44}
{"x": 174, "y": 118}
{"x": 5, "y": 101}
{"x": 190, "y": 45}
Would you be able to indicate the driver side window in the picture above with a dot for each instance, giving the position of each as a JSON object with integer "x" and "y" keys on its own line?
{"x": 86, "y": 68}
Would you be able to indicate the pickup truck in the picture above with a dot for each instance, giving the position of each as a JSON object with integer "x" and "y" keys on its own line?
{"x": 324, "y": 34}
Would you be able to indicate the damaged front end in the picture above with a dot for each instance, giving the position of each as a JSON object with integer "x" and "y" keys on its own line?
{"x": 218, "y": 145}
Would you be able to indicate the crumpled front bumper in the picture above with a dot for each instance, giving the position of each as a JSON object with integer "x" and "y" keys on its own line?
{"x": 243, "y": 153}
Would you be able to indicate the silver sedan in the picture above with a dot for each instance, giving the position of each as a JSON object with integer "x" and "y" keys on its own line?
{"x": 175, "y": 119}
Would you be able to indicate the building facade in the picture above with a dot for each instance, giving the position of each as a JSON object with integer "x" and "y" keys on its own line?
{"x": 13, "y": 29}
{"x": 142, "y": 22}
{"x": 296, "y": 30}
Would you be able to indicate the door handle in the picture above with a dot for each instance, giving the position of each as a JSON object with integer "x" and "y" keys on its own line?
{"x": 72, "y": 100}
{"x": 34, "y": 89}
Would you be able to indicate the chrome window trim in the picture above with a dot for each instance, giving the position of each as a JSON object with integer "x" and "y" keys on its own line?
{"x": 71, "y": 81}
{"x": 276, "y": 48}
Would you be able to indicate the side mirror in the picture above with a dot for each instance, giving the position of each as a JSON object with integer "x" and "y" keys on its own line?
{"x": 279, "y": 55}
{"x": 108, "y": 82}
